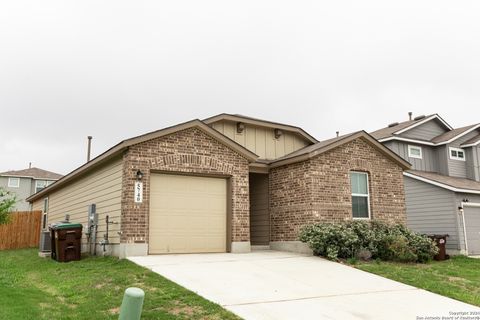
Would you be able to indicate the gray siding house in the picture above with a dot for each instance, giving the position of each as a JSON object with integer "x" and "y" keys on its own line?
{"x": 443, "y": 188}
{"x": 24, "y": 183}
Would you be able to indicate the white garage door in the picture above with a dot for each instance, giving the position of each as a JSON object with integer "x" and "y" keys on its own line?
{"x": 472, "y": 226}
{"x": 188, "y": 214}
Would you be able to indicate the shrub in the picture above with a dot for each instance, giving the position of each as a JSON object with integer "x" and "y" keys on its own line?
{"x": 7, "y": 201}
{"x": 365, "y": 240}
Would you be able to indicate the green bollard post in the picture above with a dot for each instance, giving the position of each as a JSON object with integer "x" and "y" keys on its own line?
{"x": 132, "y": 304}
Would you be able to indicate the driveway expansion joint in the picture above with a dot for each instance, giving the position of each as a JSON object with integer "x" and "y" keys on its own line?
{"x": 317, "y": 297}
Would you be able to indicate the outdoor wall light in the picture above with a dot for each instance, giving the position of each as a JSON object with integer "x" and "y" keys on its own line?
{"x": 240, "y": 127}
{"x": 139, "y": 175}
{"x": 278, "y": 133}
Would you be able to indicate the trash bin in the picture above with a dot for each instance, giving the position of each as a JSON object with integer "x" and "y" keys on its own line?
{"x": 441, "y": 241}
{"x": 66, "y": 241}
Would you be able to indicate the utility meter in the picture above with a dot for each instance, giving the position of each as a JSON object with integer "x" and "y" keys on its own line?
{"x": 92, "y": 216}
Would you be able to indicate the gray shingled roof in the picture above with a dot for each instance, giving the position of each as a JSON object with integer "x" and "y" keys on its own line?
{"x": 389, "y": 131}
{"x": 451, "y": 134}
{"x": 457, "y": 183}
{"x": 34, "y": 173}
{"x": 473, "y": 140}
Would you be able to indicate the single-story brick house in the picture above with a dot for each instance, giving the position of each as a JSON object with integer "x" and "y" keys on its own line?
{"x": 225, "y": 184}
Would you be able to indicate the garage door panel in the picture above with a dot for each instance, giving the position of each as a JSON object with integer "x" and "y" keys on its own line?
{"x": 174, "y": 243}
{"x": 472, "y": 226}
{"x": 187, "y": 214}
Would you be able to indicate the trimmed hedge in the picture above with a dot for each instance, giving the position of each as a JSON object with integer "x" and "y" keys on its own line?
{"x": 368, "y": 239}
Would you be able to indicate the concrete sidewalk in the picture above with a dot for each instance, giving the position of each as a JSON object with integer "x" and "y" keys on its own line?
{"x": 280, "y": 285}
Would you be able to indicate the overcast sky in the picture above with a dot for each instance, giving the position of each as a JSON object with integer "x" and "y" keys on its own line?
{"x": 116, "y": 69}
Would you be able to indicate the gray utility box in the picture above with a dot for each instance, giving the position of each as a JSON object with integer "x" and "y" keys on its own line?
{"x": 45, "y": 241}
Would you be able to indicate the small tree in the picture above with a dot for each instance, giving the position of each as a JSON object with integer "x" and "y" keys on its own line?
{"x": 7, "y": 201}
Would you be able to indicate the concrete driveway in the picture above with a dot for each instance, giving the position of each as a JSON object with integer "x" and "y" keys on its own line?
{"x": 280, "y": 285}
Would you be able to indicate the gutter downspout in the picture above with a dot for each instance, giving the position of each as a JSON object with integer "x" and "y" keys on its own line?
{"x": 464, "y": 204}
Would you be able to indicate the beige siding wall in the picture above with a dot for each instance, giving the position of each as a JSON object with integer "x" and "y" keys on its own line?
{"x": 261, "y": 140}
{"x": 37, "y": 205}
{"x": 103, "y": 187}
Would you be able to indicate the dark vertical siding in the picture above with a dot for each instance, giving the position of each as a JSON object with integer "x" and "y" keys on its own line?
{"x": 259, "y": 215}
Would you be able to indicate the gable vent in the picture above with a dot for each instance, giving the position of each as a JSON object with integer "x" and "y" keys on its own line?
{"x": 393, "y": 124}
{"x": 419, "y": 117}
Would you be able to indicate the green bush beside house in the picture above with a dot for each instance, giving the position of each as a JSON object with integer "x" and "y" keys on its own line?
{"x": 368, "y": 239}
{"x": 7, "y": 201}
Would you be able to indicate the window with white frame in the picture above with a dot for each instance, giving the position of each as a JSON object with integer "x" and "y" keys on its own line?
{"x": 39, "y": 185}
{"x": 13, "y": 182}
{"x": 415, "y": 152}
{"x": 457, "y": 154}
{"x": 360, "y": 195}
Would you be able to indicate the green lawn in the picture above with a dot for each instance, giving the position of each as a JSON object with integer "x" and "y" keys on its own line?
{"x": 457, "y": 278}
{"x": 38, "y": 288}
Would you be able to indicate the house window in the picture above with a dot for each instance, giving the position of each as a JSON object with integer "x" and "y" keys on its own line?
{"x": 13, "y": 182}
{"x": 415, "y": 152}
{"x": 360, "y": 195}
{"x": 39, "y": 185}
{"x": 45, "y": 210}
{"x": 457, "y": 154}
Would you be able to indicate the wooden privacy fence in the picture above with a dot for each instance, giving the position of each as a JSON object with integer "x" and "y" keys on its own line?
{"x": 23, "y": 230}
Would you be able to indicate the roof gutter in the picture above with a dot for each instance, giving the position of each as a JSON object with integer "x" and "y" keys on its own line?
{"x": 470, "y": 144}
{"x": 441, "y": 185}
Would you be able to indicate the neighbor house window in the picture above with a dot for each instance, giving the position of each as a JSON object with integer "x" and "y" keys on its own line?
{"x": 457, "y": 154}
{"x": 415, "y": 152}
{"x": 39, "y": 185}
{"x": 14, "y": 182}
{"x": 360, "y": 195}
{"x": 45, "y": 210}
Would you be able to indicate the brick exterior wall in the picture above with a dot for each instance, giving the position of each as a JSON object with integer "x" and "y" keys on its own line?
{"x": 187, "y": 151}
{"x": 318, "y": 189}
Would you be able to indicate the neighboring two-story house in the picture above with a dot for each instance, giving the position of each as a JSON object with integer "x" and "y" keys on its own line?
{"x": 443, "y": 188}
{"x": 24, "y": 183}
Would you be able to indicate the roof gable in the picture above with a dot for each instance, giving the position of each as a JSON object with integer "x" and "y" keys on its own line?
{"x": 416, "y": 131}
{"x": 403, "y": 127}
{"x": 193, "y": 124}
{"x": 120, "y": 147}
{"x": 327, "y": 145}
{"x": 426, "y": 131}
{"x": 419, "y": 122}
{"x": 260, "y": 122}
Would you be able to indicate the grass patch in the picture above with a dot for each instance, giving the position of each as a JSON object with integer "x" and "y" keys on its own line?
{"x": 38, "y": 288}
{"x": 457, "y": 278}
